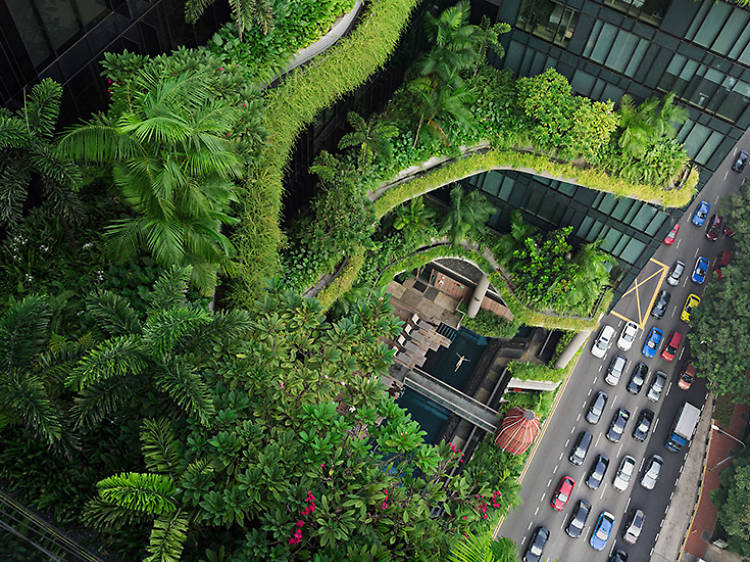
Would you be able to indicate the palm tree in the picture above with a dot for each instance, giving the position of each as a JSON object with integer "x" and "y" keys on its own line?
{"x": 26, "y": 153}
{"x": 26, "y": 382}
{"x": 413, "y": 216}
{"x": 435, "y": 104}
{"x": 456, "y": 44}
{"x": 637, "y": 126}
{"x": 173, "y": 165}
{"x": 245, "y": 13}
{"x": 468, "y": 214}
{"x": 668, "y": 116}
{"x": 474, "y": 548}
{"x": 372, "y": 138}
{"x": 516, "y": 238}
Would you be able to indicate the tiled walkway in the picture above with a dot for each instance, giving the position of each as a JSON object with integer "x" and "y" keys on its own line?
{"x": 719, "y": 449}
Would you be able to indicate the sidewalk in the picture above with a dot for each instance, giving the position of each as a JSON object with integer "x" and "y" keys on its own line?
{"x": 720, "y": 448}
{"x": 675, "y": 524}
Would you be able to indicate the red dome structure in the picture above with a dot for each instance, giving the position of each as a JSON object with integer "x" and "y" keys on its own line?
{"x": 517, "y": 431}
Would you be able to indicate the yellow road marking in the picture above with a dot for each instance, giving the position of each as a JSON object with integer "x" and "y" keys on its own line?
{"x": 653, "y": 296}
{"x": 639, "y": 283}
{"x": 638, "y": 301}
{"x": 658, "y": 262}
{"x": 621, "y": 317}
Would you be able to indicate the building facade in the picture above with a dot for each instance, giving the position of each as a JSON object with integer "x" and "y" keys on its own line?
{"x": 607, "y": 48}
{"x": 66, "y": 39}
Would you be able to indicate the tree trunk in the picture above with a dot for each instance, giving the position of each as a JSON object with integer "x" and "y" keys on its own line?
{"x": 419, "y": 127}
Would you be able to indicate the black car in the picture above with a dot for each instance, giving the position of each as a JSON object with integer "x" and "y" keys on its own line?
{"x": 536, "y": 545}
{"x": 637, "y": 378}
{"x": 619, "y": 555}
{"x": 643, "y": 425}
{"x": 581, "y": 448}
{"x": 660, "y": 306}
{"x": 740, "y": 162}
{"x": 596, "y": 407}
{"x": 578, "y": 519}
{"x": 597, "y": 471}
{"x": 617, "y": 427}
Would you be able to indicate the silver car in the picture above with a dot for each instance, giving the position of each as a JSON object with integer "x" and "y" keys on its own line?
{"x": 627, "y": 336}
{"x": 652, "y": 472}
{"x": 657, "y": 386}
{"x": 624, "y": 473}
{"x": 603, "y": 341}
{"x": 615, "y": 369}
{"x": 634, "y": 526}
{"x": 676, "y": 274}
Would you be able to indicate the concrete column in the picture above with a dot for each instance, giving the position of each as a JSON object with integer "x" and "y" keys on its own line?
{"x": 575, "y": 344}
{"x": 478, "y": 296}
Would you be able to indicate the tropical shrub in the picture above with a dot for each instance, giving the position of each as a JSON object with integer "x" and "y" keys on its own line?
{"x": 491, "y": 325}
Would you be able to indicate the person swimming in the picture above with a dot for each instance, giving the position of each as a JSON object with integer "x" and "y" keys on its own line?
{"x": 461, "y": 359}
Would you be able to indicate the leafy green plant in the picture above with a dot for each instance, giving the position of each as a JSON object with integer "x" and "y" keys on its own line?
{"x": 491, "y": 325}
{"x": 372, "y": 138}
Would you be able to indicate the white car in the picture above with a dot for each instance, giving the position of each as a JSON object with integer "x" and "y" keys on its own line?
{"x": 627, "y": 336}
{"x": 603, "y": 341}
{"x": 624, "y": 473}
{"x": 651, "y": 475}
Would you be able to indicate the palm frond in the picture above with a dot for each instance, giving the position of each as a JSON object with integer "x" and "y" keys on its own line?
{"x": 159, "y": 446}
{"x": 117, "y": 357}
{"x": 168, "y": 538}
{"x": 100, "y": 400}
{"x": 145, "y": 493}
{"x": 25, "y": 395}
{"x": 42, "y": 108}
{"x": 23, "y": 332}
{"x": 170, "y": 289}
{"x": 103, "y": 515}
{"x": 184, "y": 384}
{"x": 13, "y": 132}
{"x": 164, "y": 328}
{"x": 113, "y": 313}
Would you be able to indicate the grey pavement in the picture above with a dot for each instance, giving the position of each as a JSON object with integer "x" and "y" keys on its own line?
{"x": 549, "y": 462}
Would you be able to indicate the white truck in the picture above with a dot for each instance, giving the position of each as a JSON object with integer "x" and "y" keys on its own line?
{"x": 683, "y": 428}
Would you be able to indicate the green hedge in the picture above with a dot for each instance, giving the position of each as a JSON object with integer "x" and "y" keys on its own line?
{"x": 491, "y": 325}
{"x": 291, "y": 106}
{"x": 524, "y": 161}
{"x": 532, "y": 372}
{"x": 343, "y": 281}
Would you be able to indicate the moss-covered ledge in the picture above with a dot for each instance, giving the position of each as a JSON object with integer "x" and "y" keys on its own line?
{"x": 291, "y": 106}
{"x": 521, "y": 161}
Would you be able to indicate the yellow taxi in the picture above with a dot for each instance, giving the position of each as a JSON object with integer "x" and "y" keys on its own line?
{"x": 692, "y": 301}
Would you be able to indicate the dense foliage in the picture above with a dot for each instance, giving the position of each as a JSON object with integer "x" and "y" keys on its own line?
{"x": 733, "y": 501}
{"x": 719, "y": 340}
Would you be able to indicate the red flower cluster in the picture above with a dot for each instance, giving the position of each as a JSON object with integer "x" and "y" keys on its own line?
{"x": 297, "y": 536}
{"x": 483, "y": 505}
{"x": 457, "y": 450}
{"x": 385, "y": 501}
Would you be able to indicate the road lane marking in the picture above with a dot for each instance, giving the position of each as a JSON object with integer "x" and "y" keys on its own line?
{"x": 642, "y": 462}
{"x": 537, "y": 511}
{"x": 678, "y": 243}
{"x": 595, "y": 379}
{"x": 568, "y": 441}
{"x": 674, "y": 311}
{"x": 669, "y": 387}
{"x": 550, "y": 482}
{"x": 655, "y": 424}
{"x": 726, "y": 174}
{"x": 556, "y": 467}
{"x": 572, "y": 429}
{"x": 682, "y": 352}
{"x": 562, "y": 524}
{"x": 529, "y": 527}
{"x": 627, "y": 505}
{"x": 579, "y": 415}
{"x": 590, "y": 391}
{"x": 597, "y": 440}
{"x": 601, "y": 367}
{"x": 619, "y": 449}
{"x": 696, "y": 252}
{"x": 601, "y": 496}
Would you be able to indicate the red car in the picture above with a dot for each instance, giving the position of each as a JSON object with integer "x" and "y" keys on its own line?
{"x": 563, "y": 492}
{"x": 686, "y": 377}
{"x": 669, "y": 240}
{"x": 673, "y": 344}
{"x": 714, "y": 227}
{"x": 721, "y": 260}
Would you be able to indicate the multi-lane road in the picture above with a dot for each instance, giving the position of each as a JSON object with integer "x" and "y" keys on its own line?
{"x": 550, "y": 461}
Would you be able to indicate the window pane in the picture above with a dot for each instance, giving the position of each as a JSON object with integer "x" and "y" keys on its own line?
{"x": 582, "y": 82}
{"x": 643, "y": 218}
{"x": 713, "y": 24}
{"x": 30, "y": 31}
{"x": 637, "y": 58}
{"x": 632, "y": 250}
{"x": 696, "y": 138}
{"x": 618, "y": 57}
{"x": 548, "y": 20}
{"x": 607, "y": 203}
{"x": 59, "y": 20}
{"x": 711, "y": 144}
{"x": 656, "y": 223}
{"x": 623, "y": 206}
{"x": 734, "y": 26}
{"x": 604, "y": 42}
{"x": 741, "y": 43}
{"x": 737, "y": 99}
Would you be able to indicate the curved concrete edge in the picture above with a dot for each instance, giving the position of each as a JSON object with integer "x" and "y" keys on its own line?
{"x": 340, "y": 27}
{"x": 478, "y": 296}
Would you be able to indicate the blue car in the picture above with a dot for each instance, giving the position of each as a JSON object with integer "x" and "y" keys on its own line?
{"x": 652, "y": 342}
{"x": 701, "y": 213}
{"x": 602, "y": 530}
{"x": 699, "y": 273}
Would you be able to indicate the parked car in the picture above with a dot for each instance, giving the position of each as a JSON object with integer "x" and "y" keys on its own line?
{"x": 617, "y": 426}
{"x": 578, "y": 519}
{"x": 597, "y": 471}
{"x": 722, "y": 260}
{"x": 691, "y": 302}
{"x": 652, "y": 472}
{"x": 740, "y": 162}
{"x": 562, "y": 493}
{"x": 615, "y": 369}
{"x": 676, "y": 274}
{"x": 715, "y": 227}
{"x": 637, "y": 378}
{"x": 687, "y": 377}
{"x": 603, "y": 341}
{"x": 672, "y": 346}
{"x": 581, "y": 448}
{"x": 536, "y": 545}
{"x": 701, "y": 268}
{"x": 701, "y": 213}
{"x": 627, "y": 336}
{"x": 672, "y": 236}
{"x": 634, "y": 526}
{"x": 643, "y": 425}
{"x": 651, "y": 345}
{"x": 624, "y": 473}
{"x": 602, "y": 530}
{"x": 619, "y": 555}
{"x": 660, "y": 305}
{"x": 657, "y": 386}
{"x": 594, "y": 413}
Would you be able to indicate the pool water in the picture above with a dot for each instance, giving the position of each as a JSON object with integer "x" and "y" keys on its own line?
{"x": 442, "y": 365}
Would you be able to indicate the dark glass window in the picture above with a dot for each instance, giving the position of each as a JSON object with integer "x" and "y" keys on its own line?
{"x": 707, "y": 88}
{"x": 548, "y": 20}
{"x": 614, "y": 48}
{"x": 723, "y": 28}
{"x": 48, "y": 27}
{"x": 650, "y": 11}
